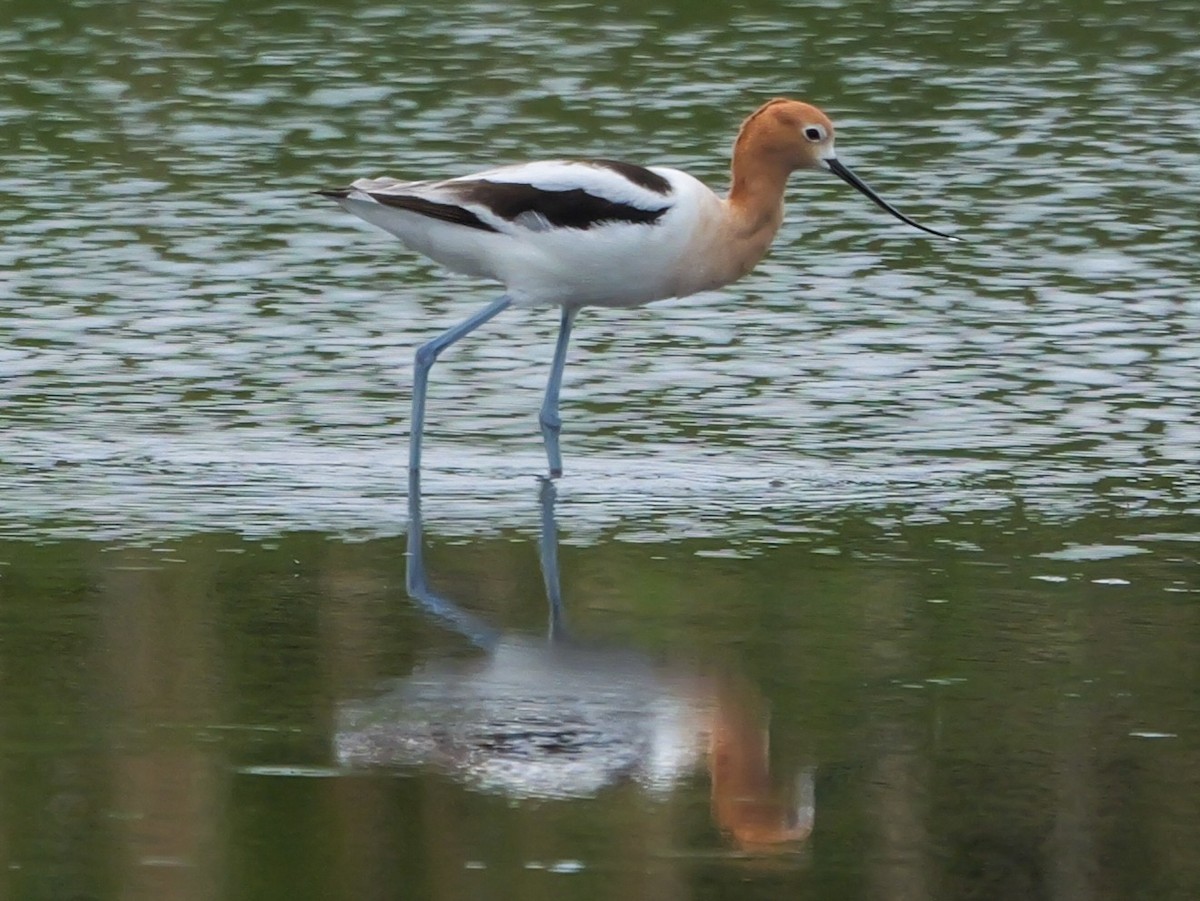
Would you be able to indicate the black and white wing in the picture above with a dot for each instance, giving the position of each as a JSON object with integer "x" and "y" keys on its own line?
{"x": 540, "y": 196}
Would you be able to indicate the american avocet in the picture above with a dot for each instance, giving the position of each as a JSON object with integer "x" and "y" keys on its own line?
{"x": 576, "y": 233}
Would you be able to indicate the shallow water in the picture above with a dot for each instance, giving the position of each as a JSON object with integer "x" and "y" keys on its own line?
{"x": 926, "y": 513}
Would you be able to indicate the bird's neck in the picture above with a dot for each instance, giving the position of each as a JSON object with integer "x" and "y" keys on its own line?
{"x": 755, "y": 200}
{"x": 753, "y": 214}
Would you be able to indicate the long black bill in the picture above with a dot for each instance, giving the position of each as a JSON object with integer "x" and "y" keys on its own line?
{"x": 854, "y": 181}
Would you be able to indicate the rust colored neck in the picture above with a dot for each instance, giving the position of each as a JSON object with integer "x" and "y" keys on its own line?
{"x": 761, "y": 167}
{"x": 756, "y": 196}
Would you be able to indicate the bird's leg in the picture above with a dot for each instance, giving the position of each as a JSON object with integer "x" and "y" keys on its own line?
{"x": 426, "y": 356}
{"x": 551, "y": 421}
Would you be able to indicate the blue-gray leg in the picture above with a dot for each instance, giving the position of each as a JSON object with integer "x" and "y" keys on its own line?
{"x": 426, "y": 356}
{"x": 551, "y": 421}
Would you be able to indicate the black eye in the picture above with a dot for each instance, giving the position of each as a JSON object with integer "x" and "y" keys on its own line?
{"x": 813, "y": 133}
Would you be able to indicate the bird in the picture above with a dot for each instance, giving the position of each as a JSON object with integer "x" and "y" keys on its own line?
{"x": 574, "y": 233}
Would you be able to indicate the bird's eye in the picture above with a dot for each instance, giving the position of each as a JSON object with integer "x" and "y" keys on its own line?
{"x": 814, "y": 133}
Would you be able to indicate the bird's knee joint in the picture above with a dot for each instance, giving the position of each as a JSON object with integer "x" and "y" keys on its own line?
{"x": 551, "y": 422}
{"x": 426, "y": 355}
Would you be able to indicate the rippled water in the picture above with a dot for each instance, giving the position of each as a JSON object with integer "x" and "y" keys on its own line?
{"x": 179, "y": 306}
{"x": 972, "y": 466}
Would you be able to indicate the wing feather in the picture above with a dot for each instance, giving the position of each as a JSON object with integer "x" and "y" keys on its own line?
{"x": 539, "y": 196}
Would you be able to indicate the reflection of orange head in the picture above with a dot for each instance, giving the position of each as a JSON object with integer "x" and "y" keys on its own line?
{"x": 745, "y": 803}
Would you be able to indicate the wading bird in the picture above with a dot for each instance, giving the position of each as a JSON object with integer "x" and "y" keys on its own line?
{"x": 577, "y": 233}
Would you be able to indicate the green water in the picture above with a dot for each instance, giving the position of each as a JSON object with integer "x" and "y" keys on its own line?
{"x": 890, "y": 548}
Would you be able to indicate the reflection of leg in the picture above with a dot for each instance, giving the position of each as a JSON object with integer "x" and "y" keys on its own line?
{"x": 426, "y": 356}
{"x": 551, "y": 421}
{"x": 548, "y": 551}
{"x": 457, "y": 619}
{"x": 415, "y": 568}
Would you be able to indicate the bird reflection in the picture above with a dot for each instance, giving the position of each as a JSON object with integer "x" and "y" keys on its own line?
{"x": 562, "y": 718}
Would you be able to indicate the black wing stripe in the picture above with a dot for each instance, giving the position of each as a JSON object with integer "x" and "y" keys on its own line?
{"x": 638, "y": 175}
{"x": 446, "y": 212}
{"x": 574, "y": 208}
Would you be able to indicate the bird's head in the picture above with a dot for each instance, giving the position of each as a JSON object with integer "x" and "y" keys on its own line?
{"x": 790, "y": 134}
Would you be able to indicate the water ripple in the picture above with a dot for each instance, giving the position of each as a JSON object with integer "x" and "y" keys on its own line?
{"x": 190, "y": 338}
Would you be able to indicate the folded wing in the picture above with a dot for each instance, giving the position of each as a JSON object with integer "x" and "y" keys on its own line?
{"x": 537, "y": 197}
